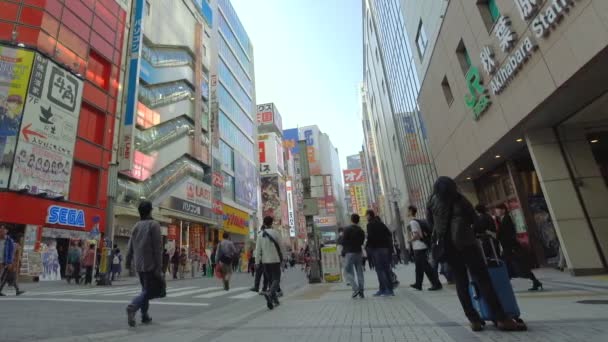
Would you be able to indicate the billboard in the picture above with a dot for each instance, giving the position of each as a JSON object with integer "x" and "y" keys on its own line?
{"x": 271, "y": 199}
{"x": 271, "y": 154}
{"x": 268, "y": 115}
{"x": 325, "y": 221}
{"x": 245, "y": 182}
{"x": 143, "y": 165}
{"x": 311, "y": 135}
{"x": 127, "y": 132}
{"x": 353, "y": 176}
{"x": 235, "y": 221}
{"x": 15, "y": 69}
{"x": 360, "y": 198}
{"x": 194, "y": 190}
{"x": 45, "y": 146}
{"x": 290, "y": 140}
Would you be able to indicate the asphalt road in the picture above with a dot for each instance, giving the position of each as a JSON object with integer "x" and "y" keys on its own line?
{"x": 56, "y": 310}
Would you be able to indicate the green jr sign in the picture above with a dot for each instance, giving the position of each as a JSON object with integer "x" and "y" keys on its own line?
{"x": 477, "y": 99}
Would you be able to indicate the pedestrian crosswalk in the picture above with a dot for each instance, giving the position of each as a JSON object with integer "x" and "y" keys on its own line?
{"x": 173, "y": 292}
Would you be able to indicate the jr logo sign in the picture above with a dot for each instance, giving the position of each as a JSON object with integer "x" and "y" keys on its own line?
{"x": 477, "y": 99}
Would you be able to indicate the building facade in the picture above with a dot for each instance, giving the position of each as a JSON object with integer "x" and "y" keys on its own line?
{"x": 392, "y": 71}
{"x": 515, "y": 102}
{"x": 56, "y": 147}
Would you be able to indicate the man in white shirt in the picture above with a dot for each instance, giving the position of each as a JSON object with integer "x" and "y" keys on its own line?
{"x": 419, "y": 250}
{"x": 268, "y": 253}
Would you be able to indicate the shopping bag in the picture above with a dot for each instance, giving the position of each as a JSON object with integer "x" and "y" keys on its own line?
{"x": 218, "y": 271}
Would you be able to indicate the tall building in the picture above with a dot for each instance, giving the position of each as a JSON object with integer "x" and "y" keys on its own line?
{"x": 166, "y": 125}
{"x": 353, "y": 162}
{"x": 392, "y": 71}
{"x": 324, "y": 165}
{"x": 356, "y": 187}
{"x": 59, "y": 95}
{"x": 515, "y": 103}
{"x": 235, "y": 150}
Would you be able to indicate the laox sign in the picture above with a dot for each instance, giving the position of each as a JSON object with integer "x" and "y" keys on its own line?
{"x": 195, "y": 191}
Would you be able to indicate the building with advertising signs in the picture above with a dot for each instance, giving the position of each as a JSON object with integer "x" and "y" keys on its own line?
{"x": 59, "y": 88}
{"x": 355, "y": 188}
{"x": 326, "y": 176}
{"x": 515, "y": 103}
{"x": 165, "y": 147}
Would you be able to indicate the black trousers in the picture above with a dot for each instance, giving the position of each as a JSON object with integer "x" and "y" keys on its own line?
{"x": 88, "y": 279}
{"x": 273, "y": 272}
{"x": 260, "y": 271}
{"x": 423, "y": 267}
{"x": 472, "y": 259}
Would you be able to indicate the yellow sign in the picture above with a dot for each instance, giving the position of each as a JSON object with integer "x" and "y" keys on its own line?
{"x": 235, "y": 221}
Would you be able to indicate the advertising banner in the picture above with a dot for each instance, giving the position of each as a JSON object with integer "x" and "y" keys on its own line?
{"x": 330, "y": 263}
{"x": 271, "y": 199}
{"x": 194, "y": 190}
{"x": 271, "y": 154}
{"x": 325, "y": 221}
{"x": 290, "y": 140}
{"x": 235, "y": 221}
{"x": 245, "y": 182}
{"x": 265, "y": 115}
{"x": 290, "y": 209}
{"x": 353, "y": 176}
{"x": 15, "y": 70}
{"x": 127, "y": 132}
{"x": 45, "y": 147}
{"x": 311, "y": 135}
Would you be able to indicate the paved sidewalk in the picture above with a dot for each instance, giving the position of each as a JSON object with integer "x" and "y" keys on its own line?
{"x": 326, "y": 313}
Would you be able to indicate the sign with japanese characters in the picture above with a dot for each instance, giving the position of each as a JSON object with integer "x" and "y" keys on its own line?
{"x": 45, "y": 148}
{"x": 541, "y": 21}
{"x": 270, "y": 151}
{"x": 15, "y": 69}
{"x": 196, "y": 191}
{"x": 353, "y": 176}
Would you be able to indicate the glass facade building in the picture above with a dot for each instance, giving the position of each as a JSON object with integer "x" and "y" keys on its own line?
{"x": 236, "y": 95}
{"x": 385, "y": 20}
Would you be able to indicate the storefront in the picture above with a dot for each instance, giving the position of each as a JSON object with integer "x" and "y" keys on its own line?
{"x": 46, "y": 228}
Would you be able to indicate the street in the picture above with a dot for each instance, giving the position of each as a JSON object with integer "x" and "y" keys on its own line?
{"x": 569, "y": 309}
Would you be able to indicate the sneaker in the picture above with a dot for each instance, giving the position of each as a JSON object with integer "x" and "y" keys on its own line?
{"x": 388, "y": 294}
{"x": 476, "y": 326}
{"x": 131, "y": 316}
{"x": 416, "y": 287}
{"x": 254, "y": 289}
{"x": 435, "y": 288}
{"x": 269, "y": 302}
{"x": 361, "y": 295}
{"x": 378, "y": 294}
{"x": 19, "y": 293}
{"x": 146, "y": 319}
{"x": 355, "y": 294}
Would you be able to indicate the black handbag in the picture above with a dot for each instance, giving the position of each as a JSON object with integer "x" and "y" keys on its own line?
{"x": 157, "y": 286}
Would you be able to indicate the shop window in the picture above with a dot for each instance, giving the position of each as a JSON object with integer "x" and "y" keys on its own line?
{"x": 91, "y": 124}
{"x": 421, "y": 40}
{"x": 447, "y": 91}
{"x": 463, "y": 57}
{"x": 489, "y": 12}
{"x": 84, "y": 186}
{"x": 99, "y": 70}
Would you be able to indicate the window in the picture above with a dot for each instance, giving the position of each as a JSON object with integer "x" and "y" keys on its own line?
{"x": 447, "y": 91}
{"x": 463, "y": 57}
{"x": 421, "y": 40}
{"x": 489, "y": 12}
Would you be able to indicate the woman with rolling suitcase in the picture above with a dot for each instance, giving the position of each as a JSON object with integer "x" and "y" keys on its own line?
{"x": 452, "y": 216}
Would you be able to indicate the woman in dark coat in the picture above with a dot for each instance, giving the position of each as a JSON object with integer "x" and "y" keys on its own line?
{"x": 452, "y": 216}
{"x": 512, "y": 252}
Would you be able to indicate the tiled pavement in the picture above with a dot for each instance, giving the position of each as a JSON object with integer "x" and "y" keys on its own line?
{"x": 326, "y": 312}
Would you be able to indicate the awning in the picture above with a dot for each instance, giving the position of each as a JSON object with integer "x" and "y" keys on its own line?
{"x": 180, "y": 215}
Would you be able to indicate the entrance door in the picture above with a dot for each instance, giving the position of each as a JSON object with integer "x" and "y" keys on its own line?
{"x": 62, "y": 252}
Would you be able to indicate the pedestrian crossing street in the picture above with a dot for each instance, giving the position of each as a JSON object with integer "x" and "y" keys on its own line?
{"x": 192, "y": 293}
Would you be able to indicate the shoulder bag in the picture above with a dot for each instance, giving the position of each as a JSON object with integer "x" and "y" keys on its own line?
{"x": 276, "y": 244}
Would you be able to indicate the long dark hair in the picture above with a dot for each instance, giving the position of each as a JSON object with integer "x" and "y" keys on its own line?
{"x": 445, "y": 189}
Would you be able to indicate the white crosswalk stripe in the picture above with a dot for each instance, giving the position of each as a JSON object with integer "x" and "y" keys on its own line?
{"x": 245, "y": 295}
{"x": 185, "y": 293}
{"x": 220, "y": 293}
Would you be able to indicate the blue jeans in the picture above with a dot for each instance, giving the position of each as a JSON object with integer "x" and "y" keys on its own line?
{"x": 142, "y": 301}
{"x": 382, "y": 262}
{"x": 353, "y": 263}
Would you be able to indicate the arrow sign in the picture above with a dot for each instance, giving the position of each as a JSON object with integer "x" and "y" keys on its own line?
{"x": 26, "y": 132}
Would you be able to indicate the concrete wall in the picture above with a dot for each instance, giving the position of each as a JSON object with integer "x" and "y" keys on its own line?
{"x": 456, "y": 139}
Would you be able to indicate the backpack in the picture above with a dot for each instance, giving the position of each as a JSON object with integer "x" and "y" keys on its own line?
{"x": 427, "y": 232}
{"x": 116, "y": 260}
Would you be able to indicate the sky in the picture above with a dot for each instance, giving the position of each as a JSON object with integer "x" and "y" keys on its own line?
{"x": 308, "y": 61}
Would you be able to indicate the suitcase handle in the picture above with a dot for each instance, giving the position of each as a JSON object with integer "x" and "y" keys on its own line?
{"x": 492, "y": 246}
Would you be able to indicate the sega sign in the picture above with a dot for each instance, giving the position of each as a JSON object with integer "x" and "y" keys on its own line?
{"x": 65, "y": 216}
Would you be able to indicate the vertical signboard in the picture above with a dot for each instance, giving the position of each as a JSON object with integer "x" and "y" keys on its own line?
{"x": 271, "y": 199}
{"x": 311, "y": 136}
{"x": 127, "y": 134}
{"x": 270, "y": 154}
{"x": 45, "y": 147}
{"x": 15, "y": 69}
{"x": 290, "y": 209}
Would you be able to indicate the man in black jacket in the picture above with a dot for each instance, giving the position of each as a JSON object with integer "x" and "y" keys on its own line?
{"x": 352, "y": 240}
{"x": 380, "y": 244}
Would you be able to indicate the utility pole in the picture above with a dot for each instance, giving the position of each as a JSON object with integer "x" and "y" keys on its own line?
{"x": 310, "y": 209}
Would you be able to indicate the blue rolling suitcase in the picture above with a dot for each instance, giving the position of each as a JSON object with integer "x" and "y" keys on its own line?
{"x": 501, "y": 282}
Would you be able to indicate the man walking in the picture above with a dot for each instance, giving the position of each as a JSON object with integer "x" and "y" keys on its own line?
{"x": 259, "y": 267}
{"x": 419, "y": 247}
{"x": 146, "y": 252}
{"x": 352, "y": 240}
{"x": 380, "y": 244}
{"x": 268, "y": 253}
{"x": 10, "y": 255}
{"x": 226, "y": 252}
